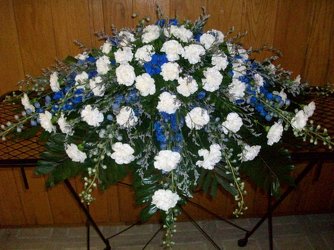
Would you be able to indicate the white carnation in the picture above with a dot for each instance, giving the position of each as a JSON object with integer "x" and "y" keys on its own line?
{"x": 26, "y": 103}
{"x": 64, "y": 126}
{"x": 106, "y": 47}
{"x": 168, "y": 103}
{"x": 123, "y": 55}
{"x": 165, "y": 199}
{"x": 126, "y": 117}
{"x": 197, "y": 118}
{"x": 212, "y": 79}
{"x": 123, "y": 153}
{"x": 144, "y": 53}
{"x": 181, "y": 33}
{"x": 275, "y": 133}
{"x": 150, "y": 33}
{"x": 187, "y": 86}
{"x": 299, "y": 120}
{"x": 233, "y": 123}
{"x": 92, "y": 116}
{"x": 125, "y": 74}
{"x": 96, "y": 86}
{"x": 309, "y": 109}
{"x": 258, "y": 80}
{"x": 173, "y": 50}
{"x": 54, "y": 84}
{"x": 170, "y": 71}
{"x": 207, "y": 40}
{"x": 219, "y": 62}
{"x": 250, "y": 152}
{"x": 167, "y": 160}
{"x": 236, "y": 89}
{"x": 81, "y": 79}
{"x": 145, "y": 84}
{"x": 46, "y": 123}
{"x": 193, "y": 53}
{"x": 103, "y": 65}
{"x": 74, "y": 153}
{"x": 210, "y": 158}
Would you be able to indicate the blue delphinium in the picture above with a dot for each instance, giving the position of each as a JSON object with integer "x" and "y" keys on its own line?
{"x": 153, "y": 67}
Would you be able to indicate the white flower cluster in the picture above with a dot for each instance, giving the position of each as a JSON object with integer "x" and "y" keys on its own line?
{"x": 123, "y": 153}
{"x": 173, "y": 50}
{"x": 26, "y": 103}
{"x": 165, "y": 199}
{"x": 126, "y": 117}
{"x": 275, "y": 133}
{"x": 97, "y": 86}
{"x": 250, "y": 152}
{"x": 103, "y": 65}
{"x": 187, "y": 86}
{"x": 193, "y": 53}
{"x": 197, "y": 118}
{"x": 168, "y": 103}
{"x": 123, "y": 55}
{"x": 46, "y": 121}
{"x": 64, "y": 126}
{"x": 210, "y": 158}
{"x": 299, "y": 121}
{"x": 92, "y": 116}
{"x": 81, "y": 79}
{"x": 74, "y": 153}
{"x": 151, "y": 33}
{"x": 167, "y": 160}
{"x": 233, "y": 123}
{"x": 236, "y": 89}
{"x": 125, "y": 74}
{"x": 213, "y": 79}
{"x": 144, "y": 54}
{"x": 54, "y": 84}
{"x": 145, "y": 84}
{"x": 170, "y": 71}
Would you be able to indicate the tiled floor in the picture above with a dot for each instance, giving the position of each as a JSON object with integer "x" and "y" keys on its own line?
{"x": 290, "y": 233}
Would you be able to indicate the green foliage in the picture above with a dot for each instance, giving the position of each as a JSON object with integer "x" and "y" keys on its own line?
{"x": 270, "y": 168}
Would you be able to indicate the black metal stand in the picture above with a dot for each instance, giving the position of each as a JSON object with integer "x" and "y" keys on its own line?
{"x": 271, "y": 207}
{"x": 90, "y": 220}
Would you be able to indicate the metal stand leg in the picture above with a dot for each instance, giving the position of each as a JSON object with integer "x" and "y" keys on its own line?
{"x": 270, "y": 222}
{"x": 88, "y": 216}
{"x": 300, "y": 177}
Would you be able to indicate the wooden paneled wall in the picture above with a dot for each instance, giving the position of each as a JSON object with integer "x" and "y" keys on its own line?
{"x": 36, "y": 32}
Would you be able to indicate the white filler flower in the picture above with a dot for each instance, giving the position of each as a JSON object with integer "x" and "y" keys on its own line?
{"x": 64, "y": 126}
{"x": 54, "y": 84}
{"x": 233, "y": 123}
{"x": 144, "y": 53}
{"x": 123, "y": 55}
{"x": 46, "y": 123}
{"x": 123, "y": 153}
{"x": 103, "y": 65}
{"x": 125, "y": 74}
{"x": 126, "y": 117}
{"x": 274, "y": 133}
{"x": 170, "y": 71}
{"x": 74, "y": 153}
{"x": 181, "y": 33}
{"x": 92, "y": 116}
{"x": 250, "y": 152}
{"x": 165, "y": 199}
{"x": 212, "y": 79}
{"x": 150, "y": 33}
{"x": 166, "y": 160}
{"x": 197, "y": 118}
{"x": 173, "y": 50}
{"x": 26, "y": 103}
{"x": 309, "y": 109}
{"x": 193, "y": 53}
{"x": 145, "y": 84}
{"x": 210, "y": 158}
{"x": 187, "y": 86}
{"x": 168, "y": 103}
